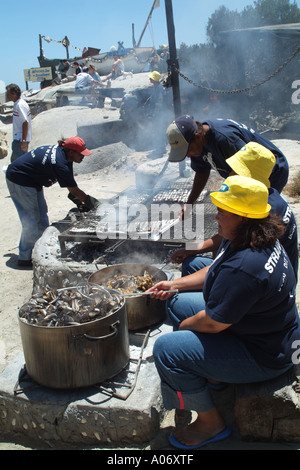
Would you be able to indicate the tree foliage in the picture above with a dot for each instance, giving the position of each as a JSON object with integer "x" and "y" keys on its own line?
{"x": 235, "y": 60}
{"x": 264, "y": 12}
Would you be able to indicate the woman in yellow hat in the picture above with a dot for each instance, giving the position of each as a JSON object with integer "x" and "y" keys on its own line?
{"x": 257, "y": 162}
{"x": 235, "y": 321}
{"x": 155, "y": 102}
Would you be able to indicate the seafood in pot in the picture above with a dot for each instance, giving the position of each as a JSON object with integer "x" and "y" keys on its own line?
{"x": 130, "y": 284}
{"x": 70, "y": 306}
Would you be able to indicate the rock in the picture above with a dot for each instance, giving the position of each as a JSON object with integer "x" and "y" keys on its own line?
{"x": 269, "y": 411}
{"x": 3, "y": 144}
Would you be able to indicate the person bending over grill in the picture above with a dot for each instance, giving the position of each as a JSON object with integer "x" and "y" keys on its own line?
{"x": 210, "y": 143}
{"x": 235, "y": 321}
{"x": 26, "y": 178}
{"x": 257, "y": 162}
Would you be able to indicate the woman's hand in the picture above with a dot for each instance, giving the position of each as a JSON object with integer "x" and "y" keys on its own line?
{"x": 179, "y": 256}
{"x": 158, "y": 290}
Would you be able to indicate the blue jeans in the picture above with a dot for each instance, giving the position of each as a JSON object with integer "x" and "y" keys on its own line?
{"x": 192, "y": 264}
{"x": 32, "y": 210}
{"x": 16, "y": 150}
{"x": 186, "y": 359}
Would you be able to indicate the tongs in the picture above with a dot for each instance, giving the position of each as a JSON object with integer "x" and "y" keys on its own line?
{"x": 135, "y": 294}
{"x": 166, "y": 264}
{"x": 155, "y": 236}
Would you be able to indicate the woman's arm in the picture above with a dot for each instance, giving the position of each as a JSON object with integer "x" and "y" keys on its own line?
{"x": 203, "y": 323}
{"x": 192, "y": 282}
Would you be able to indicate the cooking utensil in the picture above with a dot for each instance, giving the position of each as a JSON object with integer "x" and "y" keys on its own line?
{"x": 142, "y": 310}
{"x": 166, "y": 264}
{"x": 134, "y": 294}
{"x": 76, "y": 356}
{"x": 155, "y": 236}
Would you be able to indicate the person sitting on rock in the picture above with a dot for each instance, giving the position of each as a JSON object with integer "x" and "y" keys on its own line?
{"x": 235, "y": 321}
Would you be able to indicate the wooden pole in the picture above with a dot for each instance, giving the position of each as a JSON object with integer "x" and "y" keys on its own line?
{"x": 146, "y": 24}
{"x": 133, "y": 38}
{"x": 173, "y": 61}
{"x": 173, "y": 66}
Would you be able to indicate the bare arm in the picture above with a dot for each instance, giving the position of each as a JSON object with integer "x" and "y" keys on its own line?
{"x": 24, "y": 145}
{"x": 211, "y": 244}
{"x": 192, "y": 282}
{"x": 200, "y": 180}
{"x": 78, "y": 193}
{"x": 203, "y": 323}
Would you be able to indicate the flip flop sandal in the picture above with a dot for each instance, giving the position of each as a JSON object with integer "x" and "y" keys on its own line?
{"x": 218, "y": 437}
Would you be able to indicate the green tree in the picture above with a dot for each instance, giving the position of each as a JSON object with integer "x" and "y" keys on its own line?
{"x": 264, "y": 12}
{"x": 273, "y": 12}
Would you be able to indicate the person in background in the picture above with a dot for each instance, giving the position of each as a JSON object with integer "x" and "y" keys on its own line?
{"x": 78, "y": 68}
{"x": 235, "y": 321}
{"x": 26, "y": 177}
{"x": 22, "y": 133}
{"x": 85, "y": 83}
{"x": 164, "y": 57}
{"x": 156, "y": 99}
{"x": 257, "y": 162}
{"x": 95, "y": 75}
{"x": 158, "y": 114}
{"x": 117, "y": 69}
{"x": 154, "y": 60}
{"x": 63, "y": 68}
{"x": 210, "y": 143}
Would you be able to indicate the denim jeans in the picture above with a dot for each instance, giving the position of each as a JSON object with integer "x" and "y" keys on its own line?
{"x": 192, "y": 264}
{"x": 16, "y": 150}
{"x": 32, "y": 210}
{"x": 186, "y": 359}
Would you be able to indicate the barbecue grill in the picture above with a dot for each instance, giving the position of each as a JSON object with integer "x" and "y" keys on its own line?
{"x": 90, "y": 237}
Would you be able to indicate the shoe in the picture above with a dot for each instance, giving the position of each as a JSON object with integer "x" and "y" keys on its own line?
{"x": 217, "y": 387}
{"x": 25, "y": 262}
{"x": 219, "y": 437}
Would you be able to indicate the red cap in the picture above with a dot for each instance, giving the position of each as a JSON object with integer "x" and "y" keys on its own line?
{"x": 77, "y": 144}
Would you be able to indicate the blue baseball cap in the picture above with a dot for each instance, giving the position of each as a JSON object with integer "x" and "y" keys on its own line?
{"x": 180, "y": 134}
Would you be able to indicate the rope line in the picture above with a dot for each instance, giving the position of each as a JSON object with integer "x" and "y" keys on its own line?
{"x": 64, "y": 42}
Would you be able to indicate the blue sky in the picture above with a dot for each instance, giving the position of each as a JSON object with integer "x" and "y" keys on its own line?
{"x": 95, "y": 23}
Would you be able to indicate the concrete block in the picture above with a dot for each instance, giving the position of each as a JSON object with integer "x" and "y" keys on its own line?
{"x": 269, "y": 411}
{"x": 85, "y": 416}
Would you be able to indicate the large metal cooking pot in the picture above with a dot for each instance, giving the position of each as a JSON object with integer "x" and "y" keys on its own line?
{"x": 142, "y": 310}
{"x": 67, "y": 357}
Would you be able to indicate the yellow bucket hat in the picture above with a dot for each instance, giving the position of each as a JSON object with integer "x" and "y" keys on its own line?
{"x": 243, "y": 196}
{"x": 156, "y": 76}
{"x": 253, "y": 160}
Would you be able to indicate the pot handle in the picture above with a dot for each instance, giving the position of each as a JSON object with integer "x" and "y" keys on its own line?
{"x": 114, "y": 327}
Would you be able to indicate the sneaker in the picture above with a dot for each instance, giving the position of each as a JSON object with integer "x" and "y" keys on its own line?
{"x": 25, "y": 262}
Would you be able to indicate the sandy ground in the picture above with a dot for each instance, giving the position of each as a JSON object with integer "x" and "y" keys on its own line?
{"x": 16, "y": 283}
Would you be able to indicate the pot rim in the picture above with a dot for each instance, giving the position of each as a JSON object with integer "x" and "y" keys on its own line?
{"x": 92, "y": 322}
{"x": 120, "y": 265}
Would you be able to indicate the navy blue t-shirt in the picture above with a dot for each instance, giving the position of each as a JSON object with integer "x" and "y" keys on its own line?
{"x": 225, "y": 138}
{"x": 289, "y": 241}
{"x": 254, "y": 291}
{"x": 42, "y": 166}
